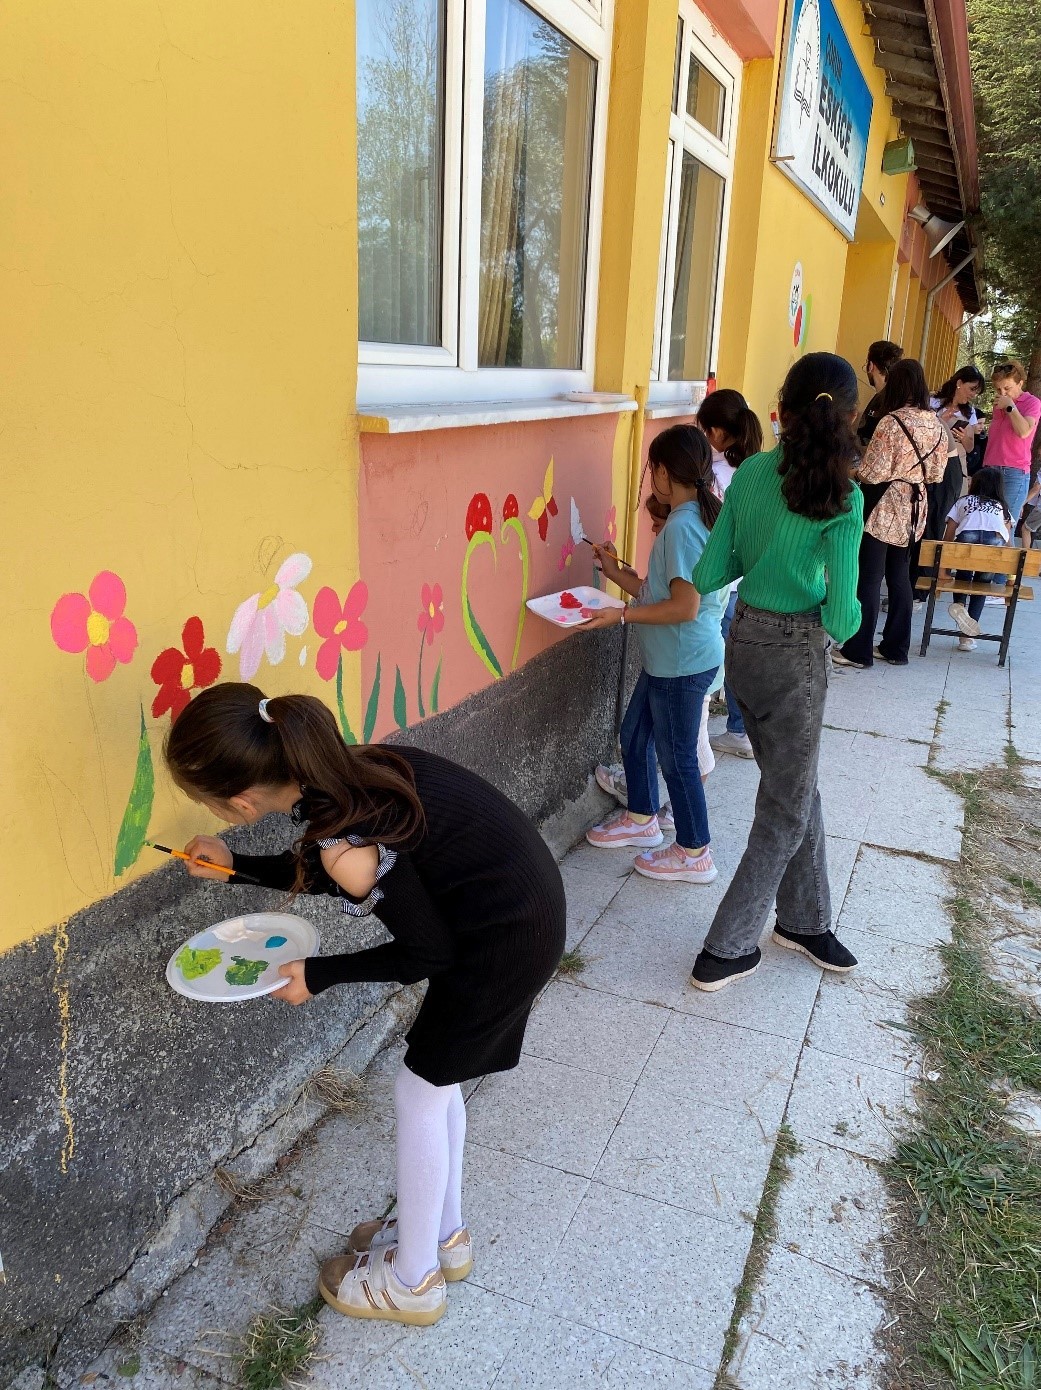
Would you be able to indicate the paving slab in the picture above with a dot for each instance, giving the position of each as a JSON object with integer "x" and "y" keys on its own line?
{"x": 916, "y": 813}
{"x": 549, "y": 1113}
{"x": 555, "y": 1353}
{"x": 628, "y": 1266}
{"x": 833, "y": 1349}
{"x": 911, "y": 972}
{"x": 588, "y": 894}
{"x": 832, "y": 1209}
{"x": 155, "y": 1371}
{"x": 899, "y": 897}
{"x": 785, "y": 987}
{"x": 598, "y": 1032}
{"x": 689, "y": 1153}
{"x": 865, "y": 1022}
{"x": 852, "y": 1105}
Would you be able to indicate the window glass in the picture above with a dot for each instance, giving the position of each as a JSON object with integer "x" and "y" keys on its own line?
{"x": 539, "y": 92}
{"x": 401, "y": 83}
{"x": 706, "y": 98}
{"x": 700, "y": 224}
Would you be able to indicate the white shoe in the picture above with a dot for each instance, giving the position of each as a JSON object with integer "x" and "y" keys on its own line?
{"x": 843, "y": 661}
{"x": 993, "y": 601}
{"x": 455, "y": 1255}
{"x": 365, "y": 1286}
{"x": 960, "y": 614}
{"x": 610, "y": 777}
{"x": 966, "y": 644}
{"x": 738, "y": 744}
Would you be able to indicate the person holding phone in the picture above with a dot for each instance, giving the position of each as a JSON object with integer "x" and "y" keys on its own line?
{"x": 1009, "y": 446}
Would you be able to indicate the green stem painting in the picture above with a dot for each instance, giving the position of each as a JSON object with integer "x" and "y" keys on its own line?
{"x": 133, "y": 830}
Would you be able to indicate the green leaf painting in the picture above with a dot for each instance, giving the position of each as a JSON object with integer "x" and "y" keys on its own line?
{"x": 474, "y": 631}
{"x": 400, "y": 707}
{"x": 345, "y": 725}
{"x": 435, "y": 688}
{"x": 134, "y": 828}
{"x": 372, "y": 708}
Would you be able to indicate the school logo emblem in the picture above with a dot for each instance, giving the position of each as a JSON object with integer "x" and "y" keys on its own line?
{"x": 805, "y": 73}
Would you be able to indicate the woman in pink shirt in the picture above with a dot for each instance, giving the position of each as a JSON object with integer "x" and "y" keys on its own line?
{"x": 1016, "y": 413}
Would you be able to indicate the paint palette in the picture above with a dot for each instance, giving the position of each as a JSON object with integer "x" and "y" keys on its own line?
{"x": 572, "y": 607}
{"x": 239, "y": 958}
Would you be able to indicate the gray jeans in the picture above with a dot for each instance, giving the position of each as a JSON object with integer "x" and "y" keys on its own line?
{"x": 776, "y": 666}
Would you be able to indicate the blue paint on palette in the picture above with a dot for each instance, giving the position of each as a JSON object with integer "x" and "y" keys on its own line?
{"x": 273, "y": 941}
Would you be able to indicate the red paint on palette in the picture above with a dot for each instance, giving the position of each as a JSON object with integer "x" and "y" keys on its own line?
{"x": 568, "y": 600}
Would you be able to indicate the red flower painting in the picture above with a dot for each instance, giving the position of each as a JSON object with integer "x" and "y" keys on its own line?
{"x": 478, "y": 515}
{"x": 510, "y": 508}
{"x": 340, "y": 624}
{"x": 177, "y": 673}
{"x": 432, "y": 612}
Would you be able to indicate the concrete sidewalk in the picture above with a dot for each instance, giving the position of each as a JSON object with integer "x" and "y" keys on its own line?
{"x": 613, "y": 1179}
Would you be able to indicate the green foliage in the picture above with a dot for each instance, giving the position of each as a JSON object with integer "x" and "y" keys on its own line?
{"x": 400, "y": 707}
{"x": 279, "y": 1347}
{"x": 133, "y": 830}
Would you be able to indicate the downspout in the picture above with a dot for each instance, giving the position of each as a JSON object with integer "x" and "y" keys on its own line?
{"x": 930, "y": 300}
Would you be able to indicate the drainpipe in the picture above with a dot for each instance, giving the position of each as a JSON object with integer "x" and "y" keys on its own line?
{"x": 930, "y": 300}
{"x": 632, "y": 521}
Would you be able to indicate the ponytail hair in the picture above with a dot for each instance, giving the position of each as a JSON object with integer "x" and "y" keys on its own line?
{"x": 221, "y": 745}
{"x": 686, "y": 455}
{"x": 818, "y": 452}
{"x": 728, "y": 411}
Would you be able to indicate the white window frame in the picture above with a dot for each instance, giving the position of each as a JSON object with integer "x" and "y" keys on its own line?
{"x": 387, "y": 373}
{"x": 704, "y": 42}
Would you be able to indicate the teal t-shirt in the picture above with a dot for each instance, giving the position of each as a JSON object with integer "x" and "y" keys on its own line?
{"x": 681, "y": 649}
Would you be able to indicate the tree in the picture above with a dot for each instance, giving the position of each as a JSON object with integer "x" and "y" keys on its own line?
{"x": 1005, "y": 48}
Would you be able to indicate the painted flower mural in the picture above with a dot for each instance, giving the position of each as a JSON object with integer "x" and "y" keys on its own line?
{"x": 178, "y": 672}
{"x": 340, "y": 625}
{"x": 95, "y": 623}
{"x": 611, "y": 525}
{"x": 431, "y": 621}
{"x": 545, "y": 505}
{"x": 567, "y": 553}
{"x": 478, "y": 528}
{"x": 261, "y": 623}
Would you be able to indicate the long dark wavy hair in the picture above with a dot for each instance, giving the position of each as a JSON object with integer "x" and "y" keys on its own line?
{"x": 220, "y": 747}
{"x": 818, "y": 451}
{"x": 905, "y": 385}
{"x": 973, "y": 375}
{"x": 728, "y": 411}
{"x": 686, "y": 455}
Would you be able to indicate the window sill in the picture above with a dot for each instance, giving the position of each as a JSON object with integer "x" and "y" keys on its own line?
{"x": 672, "y": 410}
{"x": 412, "y": 419}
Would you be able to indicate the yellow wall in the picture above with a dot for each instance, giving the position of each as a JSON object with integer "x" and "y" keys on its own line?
{"x": 180, "y": 331}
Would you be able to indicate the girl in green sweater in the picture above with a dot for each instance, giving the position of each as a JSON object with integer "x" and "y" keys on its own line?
{"x": 791, "y": 526}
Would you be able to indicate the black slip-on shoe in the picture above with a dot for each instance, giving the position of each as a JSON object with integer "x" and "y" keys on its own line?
{"x": 823, "y": 948}
{"x": 713, "y": 972}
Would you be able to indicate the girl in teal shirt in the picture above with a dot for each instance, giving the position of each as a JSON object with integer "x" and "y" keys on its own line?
{"x": 682, "y": 647}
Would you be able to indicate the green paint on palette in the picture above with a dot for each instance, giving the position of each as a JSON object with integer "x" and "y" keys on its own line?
{"x": 273, "y": 942}
{"x": 244, "y": 972}
{"x": 194, "y": 963}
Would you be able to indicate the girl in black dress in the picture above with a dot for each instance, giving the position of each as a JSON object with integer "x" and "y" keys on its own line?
{"x": 473, "y": 899}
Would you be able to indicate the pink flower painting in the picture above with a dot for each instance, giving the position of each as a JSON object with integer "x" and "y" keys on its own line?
{"x": 431, "y": 612}
{"x": 261, "y": 623}
{"x": 567, "y": 552}
{"x": 340, "y": 624}
{"x": 611, "y": 525}
{"x": 94, "y": 623}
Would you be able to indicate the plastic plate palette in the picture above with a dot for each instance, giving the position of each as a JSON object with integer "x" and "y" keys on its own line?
{"x": 572, "y": 607}
{"x": 239, "y": 958}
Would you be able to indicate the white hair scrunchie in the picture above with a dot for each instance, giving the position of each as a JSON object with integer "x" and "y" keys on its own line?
{"x": 262, "y": 707}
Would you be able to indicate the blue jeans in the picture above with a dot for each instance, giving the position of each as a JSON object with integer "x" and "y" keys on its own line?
{"x": 975, "y": 602}
{"x": 1015, "y": 484}
{"x": 735, "y": 719}
{"x": 663, "y": 715}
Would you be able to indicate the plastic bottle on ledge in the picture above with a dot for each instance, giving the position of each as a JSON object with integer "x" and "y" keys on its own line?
{"x": 775, "y": 424}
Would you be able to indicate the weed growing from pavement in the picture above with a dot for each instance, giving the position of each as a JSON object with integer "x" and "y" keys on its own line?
{"x": 571, "y": 963}
{"x": 279, "y": 1346}
{"x": 763, "y": 1229}
{"x": 970, "y": 1182}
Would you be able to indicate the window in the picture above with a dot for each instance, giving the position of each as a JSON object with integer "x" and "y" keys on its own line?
{"x": 697, "y": 200}
{"x": 479, "y": 188}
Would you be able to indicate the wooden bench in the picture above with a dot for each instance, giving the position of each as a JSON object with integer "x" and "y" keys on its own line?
{"x": 941, "y": 557}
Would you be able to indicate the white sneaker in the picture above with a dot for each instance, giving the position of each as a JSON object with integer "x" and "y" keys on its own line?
{"x": 993, "y": 601}
{"x": 960, "y": 614}
{"x": 455, "y": 1255}
{"x": 738, "y": 744}
{"x": 966, "y": 644}
{"x": 365, "y": 1286}
{"x": 610, "y": 777}
{"x": 621, "y": 830}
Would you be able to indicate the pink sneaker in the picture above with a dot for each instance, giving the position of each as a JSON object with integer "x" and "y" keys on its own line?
{"x": 666, "y": 820}
{"x": 620, "y": 830}
{"x": 676, "y": 863}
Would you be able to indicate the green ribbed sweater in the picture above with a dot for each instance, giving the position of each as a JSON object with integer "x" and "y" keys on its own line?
{"x": 789, "y": 563}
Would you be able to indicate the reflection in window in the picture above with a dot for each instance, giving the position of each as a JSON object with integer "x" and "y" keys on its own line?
{"x": 538, "y": 135}
{"x": 400, "y": 169}
{"x": 697, "y": 261}
{"x": 706, "y": 98}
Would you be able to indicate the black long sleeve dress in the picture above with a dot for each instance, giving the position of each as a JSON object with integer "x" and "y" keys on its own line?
{"x": 475, "y": 906}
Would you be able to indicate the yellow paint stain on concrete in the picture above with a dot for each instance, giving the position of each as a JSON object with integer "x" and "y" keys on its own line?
{"x": 61, "y": 994}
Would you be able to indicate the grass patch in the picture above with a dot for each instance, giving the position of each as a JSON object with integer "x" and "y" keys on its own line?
{"x": 572, "y": 963}
{"x": 279, "y": 1346}
{"x": 763, "y": 1231}
{"x": 970, "y": 1184}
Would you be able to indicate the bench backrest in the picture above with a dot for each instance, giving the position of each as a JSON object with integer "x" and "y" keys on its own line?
{"x": 986, "y": 559}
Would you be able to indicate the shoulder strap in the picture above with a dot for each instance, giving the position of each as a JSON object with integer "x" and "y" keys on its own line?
{"x": 921, "y": 457}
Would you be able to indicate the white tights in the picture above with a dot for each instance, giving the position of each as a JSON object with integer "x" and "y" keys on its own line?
{"x": 431, "y": 1124}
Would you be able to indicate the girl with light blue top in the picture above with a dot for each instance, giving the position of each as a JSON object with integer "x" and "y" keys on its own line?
{"x": 681, "y": 643}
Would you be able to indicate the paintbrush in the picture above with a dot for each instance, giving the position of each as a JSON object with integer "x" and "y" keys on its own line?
{"x": 578, "y": 535}
{"x": 207, "y": 863}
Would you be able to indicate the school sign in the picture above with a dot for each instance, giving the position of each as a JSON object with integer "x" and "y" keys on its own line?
{"x": 824, "y": 113}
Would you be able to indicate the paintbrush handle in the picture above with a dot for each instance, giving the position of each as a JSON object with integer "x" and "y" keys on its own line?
{"x": 208, "y": 864}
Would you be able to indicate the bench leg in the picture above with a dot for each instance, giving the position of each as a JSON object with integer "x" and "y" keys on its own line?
{"x": 930, "y": 609}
